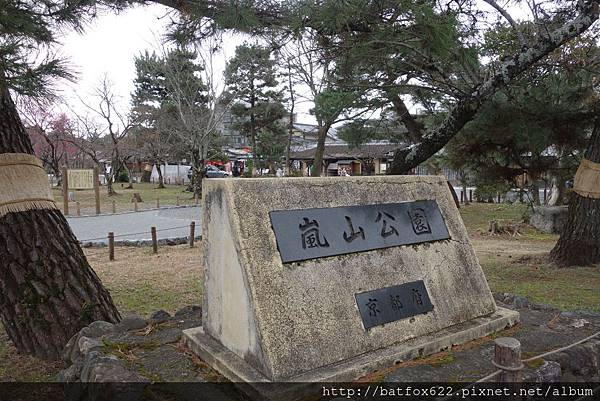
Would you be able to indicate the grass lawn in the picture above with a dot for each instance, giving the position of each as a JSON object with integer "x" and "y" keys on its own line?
{"x": 533, "y": 276}
{"x": 148, "y": 192}
{"x": 141, "y": 282}
{"x": 477, "y": 216}
{"x": 520, "y": 264}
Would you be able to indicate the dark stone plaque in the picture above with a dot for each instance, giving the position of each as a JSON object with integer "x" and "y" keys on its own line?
{"x": 389, "y": 304}
{"x": 315, "y": 233}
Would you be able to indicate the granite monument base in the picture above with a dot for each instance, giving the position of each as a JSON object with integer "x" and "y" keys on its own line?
{"x": 256, "y": 385}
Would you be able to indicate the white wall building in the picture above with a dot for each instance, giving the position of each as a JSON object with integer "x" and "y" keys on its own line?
{"x": 171, "y": 173}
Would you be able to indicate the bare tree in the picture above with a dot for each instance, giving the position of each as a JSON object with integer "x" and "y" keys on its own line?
{"x": 308, "y": 65}
{"x": 196, "y": 107}
{"x": 52, "y": 127}
{"x": 292, "y": 105}
{"x": 104, "y": 131}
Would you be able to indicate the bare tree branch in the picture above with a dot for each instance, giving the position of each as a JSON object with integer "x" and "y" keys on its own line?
{"x": 510, "y": 20}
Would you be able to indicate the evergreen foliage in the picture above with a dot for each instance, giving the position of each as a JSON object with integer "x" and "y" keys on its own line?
{"x": 539, "y": 125}
{"x": 28, "y": 31}
{"x": 169, "y": 91}
{"x": 252, "y": 85}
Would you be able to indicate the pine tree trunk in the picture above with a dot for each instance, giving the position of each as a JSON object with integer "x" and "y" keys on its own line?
{"x": 535, "y": 193}
{"x": 465, "y": 194}
{"x": 579, "y": 242}
{"x": 48, "y": 290}
{"x": 129, "y": 176}
{"x": 161, "y": 180}
{"x": 320, "y": 150}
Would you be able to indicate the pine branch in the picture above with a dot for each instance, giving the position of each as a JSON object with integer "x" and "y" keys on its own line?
{"x": 466, "y": 108}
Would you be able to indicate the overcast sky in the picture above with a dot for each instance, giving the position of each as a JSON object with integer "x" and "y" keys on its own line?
{"x": 110, "y": 44}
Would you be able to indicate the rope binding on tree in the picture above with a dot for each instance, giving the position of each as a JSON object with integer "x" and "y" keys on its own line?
{"x": 23, "y": 184}
{"x": 587, "y": 179}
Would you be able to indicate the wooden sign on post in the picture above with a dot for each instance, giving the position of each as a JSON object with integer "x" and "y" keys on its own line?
{"x": 65, "y": 190}
{"x": 80, "y": 178}
{"x": 97, "y": 190}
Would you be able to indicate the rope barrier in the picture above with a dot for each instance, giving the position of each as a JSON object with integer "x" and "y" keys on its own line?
{"x": 138, "y": 233}
{"x": 508, "y": 368}
{"x": 533, "y": 358}
{"x": 488, "y": 377}
{"x": 561, "y": 349}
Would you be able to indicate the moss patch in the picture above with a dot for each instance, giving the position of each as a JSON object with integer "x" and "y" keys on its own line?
{"x": 533, "y": 364}
{"x": 443, "y": 360}
{"x": 118, "y": 348}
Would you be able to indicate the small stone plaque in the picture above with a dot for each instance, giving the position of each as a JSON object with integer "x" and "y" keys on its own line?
{"x": 389, "y": 304}
{"x": 315, "y": 233}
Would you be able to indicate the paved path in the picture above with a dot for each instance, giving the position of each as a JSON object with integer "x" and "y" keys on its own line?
{"x": 169, "y": 223}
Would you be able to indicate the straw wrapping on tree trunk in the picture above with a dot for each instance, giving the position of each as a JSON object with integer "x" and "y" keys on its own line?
{"x": 587, "y": 179}
{"x": 24, "y": 184}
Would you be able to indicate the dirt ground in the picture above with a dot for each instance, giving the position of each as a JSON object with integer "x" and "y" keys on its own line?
{"x": 141, "y": 282}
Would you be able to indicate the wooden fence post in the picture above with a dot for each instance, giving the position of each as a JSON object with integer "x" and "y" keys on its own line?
{"x": 135, "y": 204}
{"x": 471, "y": 195}
{"x": 78, "y": 208}
{"x": 97, "y": 189}
{"x": 177, "y": 201}
{"x": 114, "y": 206}
{"x": 65, "y": 190}
{"x": 507, "y": 356}
{"x": 462, "y": 196}
{"x": 192, "y": 233}
{"x": 158, "y": 203}
{"x": 154, "y": 240}
{"x": 111, "y": 246}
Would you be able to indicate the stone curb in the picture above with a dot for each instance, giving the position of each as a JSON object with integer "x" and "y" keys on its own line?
{"x": 140, "y": 243}
{"x": 520, "y": 302}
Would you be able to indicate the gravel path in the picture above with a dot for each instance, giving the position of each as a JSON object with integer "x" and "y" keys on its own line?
{"x": 169, "y": 222}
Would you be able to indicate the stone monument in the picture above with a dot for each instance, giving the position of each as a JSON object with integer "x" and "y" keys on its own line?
{"x": 328, "y": 279}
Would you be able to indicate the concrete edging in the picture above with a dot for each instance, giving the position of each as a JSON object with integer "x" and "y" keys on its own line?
{"x": 250, "y": 380}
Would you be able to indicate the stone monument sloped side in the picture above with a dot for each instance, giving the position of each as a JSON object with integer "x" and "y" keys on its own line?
{"x": 285, "y": 319}
{"x": 227, "y": 313}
